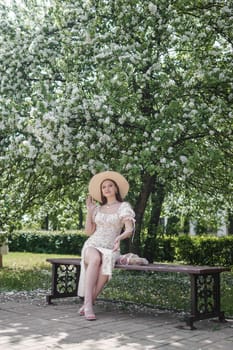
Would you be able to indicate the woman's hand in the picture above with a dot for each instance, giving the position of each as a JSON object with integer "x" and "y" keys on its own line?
{"x": 90, "y": 203}
{"x": 90, "y": 224}
{"x": 116, "y": 244}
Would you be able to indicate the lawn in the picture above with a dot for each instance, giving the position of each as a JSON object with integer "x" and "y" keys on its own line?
{"x": 164, "y": 290}
{"x": 28, "y": 271}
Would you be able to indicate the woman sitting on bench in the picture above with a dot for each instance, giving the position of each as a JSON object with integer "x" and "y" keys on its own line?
{"x": 104, "y": 225}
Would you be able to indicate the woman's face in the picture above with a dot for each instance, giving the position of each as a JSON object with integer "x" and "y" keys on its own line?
{"x": 108, "y": 189}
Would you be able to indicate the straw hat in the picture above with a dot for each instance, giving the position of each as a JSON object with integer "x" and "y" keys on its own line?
{"x": 96, "y": 181}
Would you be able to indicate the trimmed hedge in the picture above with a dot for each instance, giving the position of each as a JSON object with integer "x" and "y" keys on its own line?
{"x": 47, "y": 242}
{"x": 197, "y": 250}
{"x": 205, "y": 250}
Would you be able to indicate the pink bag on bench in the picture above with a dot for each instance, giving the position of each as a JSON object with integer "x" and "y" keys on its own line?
{"x": 131, "y": 259}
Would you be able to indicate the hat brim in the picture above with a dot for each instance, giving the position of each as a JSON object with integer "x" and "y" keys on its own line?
{"x": 96, "y": 181}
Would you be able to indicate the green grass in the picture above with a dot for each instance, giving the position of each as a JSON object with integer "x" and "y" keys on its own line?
{"x": 163, "y": 290}
{"x": 28, "y": 271}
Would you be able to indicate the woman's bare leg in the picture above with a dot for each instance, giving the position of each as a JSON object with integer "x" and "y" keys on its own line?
{"x": 101, "y": 281}
{"x": 92, "y": 262}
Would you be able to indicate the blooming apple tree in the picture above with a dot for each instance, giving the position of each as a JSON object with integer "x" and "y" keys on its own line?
{"x": 142, "y": 87}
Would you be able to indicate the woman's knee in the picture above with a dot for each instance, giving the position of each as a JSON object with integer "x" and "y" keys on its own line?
{"x": 93, "y": 257}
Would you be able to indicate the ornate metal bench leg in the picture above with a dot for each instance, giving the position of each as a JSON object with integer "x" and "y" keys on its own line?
{"x": 189, "y": 322}
{"x": 65, "y": 279}
{"x": 53, "y": 285}
{"x": 221, "y": 317}
{"x": 48, "y": 299}
{"x": 205, "y": 297}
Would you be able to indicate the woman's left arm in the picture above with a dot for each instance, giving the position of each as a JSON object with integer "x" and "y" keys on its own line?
{"x": 128, "y": 231}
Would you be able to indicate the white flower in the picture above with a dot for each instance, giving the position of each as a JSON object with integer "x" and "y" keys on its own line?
{"x": 104, "y": 139}
{"x": 163, "y": 160}
{"x": 107, "y": 120}
{"x": 183, "y": 159}
{"x": 152, "y": 8}
{"x": 170, "y": 150}
{"x": 221, "y": 76}
{"x": 87, "y": 38}
{"x": 153, "y": 149}
{"x": 226, "y": 9}
{"x": 26, "y": 143}
{"x": 191, "y": 104}
{"x": 128, "y": 166}
{"x": 121, "y": 120}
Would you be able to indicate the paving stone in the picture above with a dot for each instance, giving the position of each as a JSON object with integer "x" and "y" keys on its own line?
{"x": 34, "y": 325}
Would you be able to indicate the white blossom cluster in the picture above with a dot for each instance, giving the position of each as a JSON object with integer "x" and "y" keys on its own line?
{"x": 141, "y": 86}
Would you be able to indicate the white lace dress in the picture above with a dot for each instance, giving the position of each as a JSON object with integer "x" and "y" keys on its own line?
{"x": 108, "y": 227}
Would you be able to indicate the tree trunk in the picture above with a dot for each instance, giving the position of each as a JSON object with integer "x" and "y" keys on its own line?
{"x": 80, "y": 216}
{"x": 157, "y": 198}
{"x": 230, "y": 227}
{"x": 45, "y": 223}
{"x": 147, "y": 187}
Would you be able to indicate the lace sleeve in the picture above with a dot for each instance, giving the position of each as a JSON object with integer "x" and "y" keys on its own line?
{"x": 127, "y": 213}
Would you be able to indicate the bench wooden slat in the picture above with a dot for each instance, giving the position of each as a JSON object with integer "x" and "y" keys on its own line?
{"x": 160, "y": 267}
{"x": 188, "y": 269}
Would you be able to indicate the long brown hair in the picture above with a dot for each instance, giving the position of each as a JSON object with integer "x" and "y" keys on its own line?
{"x": 118, "y": 195}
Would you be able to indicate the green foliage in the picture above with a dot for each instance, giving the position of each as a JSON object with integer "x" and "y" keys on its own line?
{"x": 47, "y": 242}
{"x": 163, "y": 290}
{"x": 17, "y": 279}
{"x": 198, "y": 250}
{"x": 84, "y": 83}
{"x": 150, "y": 289}
{"x": 185, "y": 249}
{"x": 165, "y": 248}
{"x": 205, "y": 250}
{"x": 26, "y": 272}
{"x": 3, "y": 238}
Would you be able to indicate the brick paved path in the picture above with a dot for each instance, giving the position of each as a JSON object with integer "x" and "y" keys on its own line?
{"x": 37, "y": 326}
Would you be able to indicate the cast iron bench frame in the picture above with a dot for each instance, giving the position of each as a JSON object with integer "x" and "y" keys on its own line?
{"x": 205, "y": 291}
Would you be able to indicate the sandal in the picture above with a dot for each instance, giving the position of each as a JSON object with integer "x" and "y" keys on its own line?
{"x": 89, "y": 315}
{"x": 81, "y": 311}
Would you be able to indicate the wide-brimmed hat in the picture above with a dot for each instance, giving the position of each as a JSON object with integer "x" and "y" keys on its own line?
{"x": 96, "y": 181}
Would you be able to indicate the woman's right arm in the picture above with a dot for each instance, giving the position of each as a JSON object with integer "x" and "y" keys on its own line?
{"x": 90, "y": 225}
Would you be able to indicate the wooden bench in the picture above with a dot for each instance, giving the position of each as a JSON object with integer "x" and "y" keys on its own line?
{"x": 204, "y": 294}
